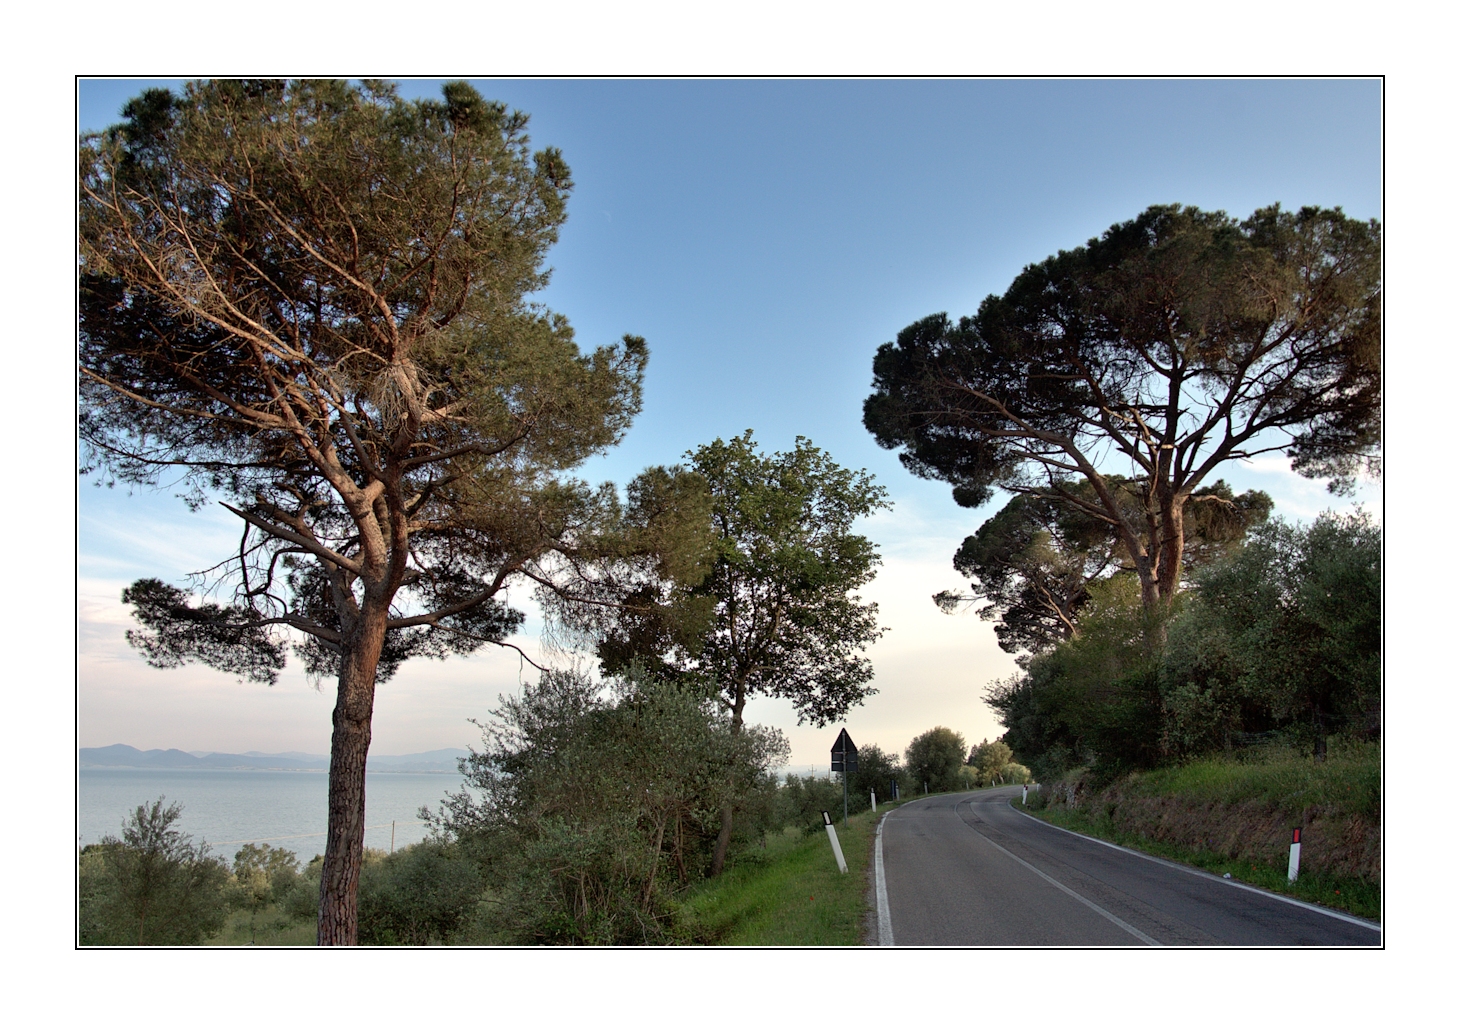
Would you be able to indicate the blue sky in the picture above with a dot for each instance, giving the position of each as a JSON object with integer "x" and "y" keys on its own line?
{"x": 765, "y": 237}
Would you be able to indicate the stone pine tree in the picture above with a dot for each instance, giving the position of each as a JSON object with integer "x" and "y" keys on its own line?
{"x": 1033, "y": 562}
{"x": 1172, "y": 344}
{"x": 778, "y": 613}
{"x": 308, "y": 299}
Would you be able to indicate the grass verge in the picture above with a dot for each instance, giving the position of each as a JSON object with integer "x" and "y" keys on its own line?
{"x": 271, "y": 928}
{"x": 1356, "y": 896}
{"x": 789, "y": 893}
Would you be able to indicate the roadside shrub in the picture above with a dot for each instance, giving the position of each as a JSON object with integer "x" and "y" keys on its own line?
{"x": 1286, "y": 632}
{"x": 586, "y": 811}
{"x": 301, "y": 901}
{"x": 876, "y": 770}
{"x": 1094, "y": 700}
{"x": 800, "y": 800}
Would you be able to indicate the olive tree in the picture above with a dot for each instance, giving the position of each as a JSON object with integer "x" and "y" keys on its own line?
{"x": 151, "y": 886}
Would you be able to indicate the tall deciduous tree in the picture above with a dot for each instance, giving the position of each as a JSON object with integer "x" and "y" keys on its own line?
{"x": 309, "y": 298}
{"x": 1172, "y": 344}
{"x": 934, "y": 758}
{"x": 778, "y": 613}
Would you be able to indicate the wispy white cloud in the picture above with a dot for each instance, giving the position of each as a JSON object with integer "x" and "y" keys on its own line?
{"x": 1301, "y": 498}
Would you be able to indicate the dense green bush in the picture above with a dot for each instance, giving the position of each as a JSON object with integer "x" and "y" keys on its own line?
{"x": 800, "y": 800}
{"x": 301, "y": 902}
{"x": 1281, "y": 639}
{"x": 992, "y": 763}
{"x": 586, "y": 811}
{"x": 1285, "y": 634}
{"x": 1093, "y": 700}
{"x": 876, "y": 770}
{"x": 421, "y": 894}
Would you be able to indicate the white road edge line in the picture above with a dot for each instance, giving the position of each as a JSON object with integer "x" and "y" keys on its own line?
{"x": 1062, "y": 887}
{"x": 1214, "y": 878}
{"x": 884, "y": 913}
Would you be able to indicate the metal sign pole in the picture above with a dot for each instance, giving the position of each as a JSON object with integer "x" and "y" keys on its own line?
{"x": 844, "y": 779}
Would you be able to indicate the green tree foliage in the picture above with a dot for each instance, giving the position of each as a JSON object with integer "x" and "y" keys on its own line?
{"x": 800, "y": 800}
{"x": 934, "y": 758}
{"x": 1281, "y": 636}
{"x": 1032, "y": 562}
{"x": 301, "y": 902}
{"x": 1174, "y": 342}
{"x": 153, "y": 886}
{"x": 778, "y": 613}
{"x": 993, "y": 762}
{"x": 876, "y": 770}
{"x": 262, "y": 877}
{"x": 587, "y": 811}
{"x": 1093, "y": 700}
{"x": 310, "y": 300}
{"x": 1290, "y": 629}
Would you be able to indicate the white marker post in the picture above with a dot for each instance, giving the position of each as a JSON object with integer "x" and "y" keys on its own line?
{"x": 1025, "y": 798}
{"x": 836, "y": 847}
{"x": 1293, "y": 854}
{"x": 874, "y": 802}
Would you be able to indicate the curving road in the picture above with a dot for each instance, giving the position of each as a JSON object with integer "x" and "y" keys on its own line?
{"x": 967, "y": 869}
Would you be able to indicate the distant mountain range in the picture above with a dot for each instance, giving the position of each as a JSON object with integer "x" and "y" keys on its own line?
{"x": 120, "y": 756}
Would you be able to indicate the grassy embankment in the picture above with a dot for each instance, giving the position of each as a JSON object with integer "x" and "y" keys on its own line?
{"x": 1236, "y": 814}
{"x": 792, "y": 894}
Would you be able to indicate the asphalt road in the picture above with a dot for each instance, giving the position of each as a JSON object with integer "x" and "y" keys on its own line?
{"x": 966, "y": 869}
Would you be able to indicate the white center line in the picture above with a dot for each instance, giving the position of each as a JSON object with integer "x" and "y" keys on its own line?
{"x": 1063, "y": 888}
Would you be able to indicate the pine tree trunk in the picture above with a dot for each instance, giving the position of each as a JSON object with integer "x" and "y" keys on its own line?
{"x": 339, "y": 883}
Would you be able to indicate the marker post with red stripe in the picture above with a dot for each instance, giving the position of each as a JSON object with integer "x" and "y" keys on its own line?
{"x": 1293, "y": 854}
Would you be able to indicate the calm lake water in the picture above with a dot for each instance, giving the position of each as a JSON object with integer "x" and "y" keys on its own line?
{"x": 228, "y": 808}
